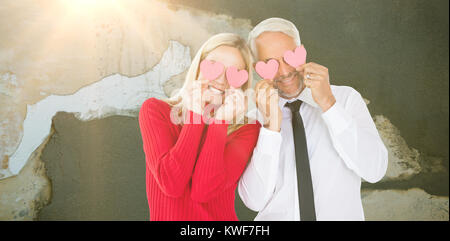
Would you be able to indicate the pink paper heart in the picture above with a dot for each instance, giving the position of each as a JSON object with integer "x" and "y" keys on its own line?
{"x": 236, "y": 78}
{"x": 296, "y": 58}
{"x": 267, "y": 70}
{"x": 211, "y": 70}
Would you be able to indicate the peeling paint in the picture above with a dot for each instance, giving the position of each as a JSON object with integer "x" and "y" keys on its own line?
{"x": 113, "y": 95}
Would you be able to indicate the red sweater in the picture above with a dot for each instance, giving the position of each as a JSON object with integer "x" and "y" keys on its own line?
{"x": 192, "y": 169}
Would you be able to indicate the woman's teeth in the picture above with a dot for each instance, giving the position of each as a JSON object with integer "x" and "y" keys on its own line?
{"x": 216, "y": 90}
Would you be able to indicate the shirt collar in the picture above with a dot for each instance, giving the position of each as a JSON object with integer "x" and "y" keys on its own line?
{"x": 305, "y": 96}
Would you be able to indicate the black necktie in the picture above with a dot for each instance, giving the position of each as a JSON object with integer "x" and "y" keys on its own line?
{"x": 304, "y": 182}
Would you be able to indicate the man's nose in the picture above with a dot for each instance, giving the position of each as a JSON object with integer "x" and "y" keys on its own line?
{"x": 284, "y": 69}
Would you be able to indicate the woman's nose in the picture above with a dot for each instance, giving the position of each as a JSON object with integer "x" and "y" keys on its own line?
{"x": 221, "y": 80}
{"x": 220, "y": 83}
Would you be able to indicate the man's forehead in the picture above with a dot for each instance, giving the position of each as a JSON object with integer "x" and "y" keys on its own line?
{"x": 273, "y": 36}
{"x": 273, "y": 44}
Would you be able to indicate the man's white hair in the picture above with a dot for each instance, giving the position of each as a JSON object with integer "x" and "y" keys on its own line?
{"x": 272, "y": 25}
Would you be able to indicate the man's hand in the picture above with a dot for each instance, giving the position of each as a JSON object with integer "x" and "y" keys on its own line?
{"x": 266, "y": 99}
{"x": 234, "y": 106}
{"x": 319, "y": 83}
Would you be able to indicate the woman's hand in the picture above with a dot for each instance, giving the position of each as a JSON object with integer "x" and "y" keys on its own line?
{"x": 192, "y": 99}
{"x": 235, "y": 105}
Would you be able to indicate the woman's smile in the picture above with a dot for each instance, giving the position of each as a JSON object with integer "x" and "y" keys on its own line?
{"x": 216, "y": 90}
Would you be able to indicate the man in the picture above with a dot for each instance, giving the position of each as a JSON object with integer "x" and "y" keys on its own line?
{"x": 317, "y": 142}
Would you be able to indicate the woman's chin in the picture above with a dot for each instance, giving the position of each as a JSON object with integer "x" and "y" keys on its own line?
{"x": 214, "y": 100}
{"x": 212, "y": 103}
{"x": 215, "y": 103}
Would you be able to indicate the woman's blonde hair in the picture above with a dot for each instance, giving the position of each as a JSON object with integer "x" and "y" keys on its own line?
{"x": 227, "y": 39}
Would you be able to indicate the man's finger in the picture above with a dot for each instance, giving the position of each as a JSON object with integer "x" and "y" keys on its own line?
{"x": 261, "y": 82}
{"x": 311, "y": 83}
{"x": 261, "y": 89}
{"x": 261, "y": 103}
{"x": 257, "y": 89}
{"x": 258, "y": 85}
{"x": 318, "y": 66}
{"x": 311, "y": 65}
{"x": 300, "y": 68}
{"x": 307, "y": 82}
{"x": 313, "y": 70}
{"x": 267, "y": 95}
{"x": 311, "y": 76}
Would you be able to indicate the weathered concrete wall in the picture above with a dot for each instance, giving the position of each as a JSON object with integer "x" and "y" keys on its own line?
{"x": 96, "y": 62}
{"x": 23, "y": 196}
{"x": 394, "y": 52}
{"x": 98, "y": 183}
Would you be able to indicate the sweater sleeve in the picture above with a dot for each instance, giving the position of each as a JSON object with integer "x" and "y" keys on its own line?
{"x": 221, "y": 163}
{"x": 170, "y": 159}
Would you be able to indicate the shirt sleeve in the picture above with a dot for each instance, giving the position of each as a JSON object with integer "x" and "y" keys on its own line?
{"x": 170, "y": 159}
{"x": 356, "y": 139}
{"x": 257, "y": 184}
{"x": 221, "y": 162}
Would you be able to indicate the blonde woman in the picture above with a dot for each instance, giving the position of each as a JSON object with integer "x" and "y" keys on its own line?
{"x": 195, "y": 148}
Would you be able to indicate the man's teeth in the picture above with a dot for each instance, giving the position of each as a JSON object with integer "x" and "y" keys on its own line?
{"x": 216, "y": 90}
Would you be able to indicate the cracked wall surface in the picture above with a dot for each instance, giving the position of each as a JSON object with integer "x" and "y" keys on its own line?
{"x": 23, "y": 196}
{"x": 102, "y": 63}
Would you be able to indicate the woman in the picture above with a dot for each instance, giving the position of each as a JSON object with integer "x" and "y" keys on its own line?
{"x": 193, "y": 167}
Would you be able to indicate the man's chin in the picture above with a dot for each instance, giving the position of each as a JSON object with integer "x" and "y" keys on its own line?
{"x": 291, "y": 93}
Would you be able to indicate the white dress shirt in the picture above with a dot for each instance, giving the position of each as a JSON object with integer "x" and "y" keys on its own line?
{"x": 343, "y": 147}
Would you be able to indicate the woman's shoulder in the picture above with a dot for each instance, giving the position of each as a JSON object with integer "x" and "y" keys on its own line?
{"x": 251, "y": 127}
{"x": 155, "y": 103}
{"x": 155, "y": 106}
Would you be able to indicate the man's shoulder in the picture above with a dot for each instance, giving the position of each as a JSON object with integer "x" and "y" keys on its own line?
{"x": 343, "y": 92}
{"x": 343, "y": 89}
{"x": 347, "y": 95}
